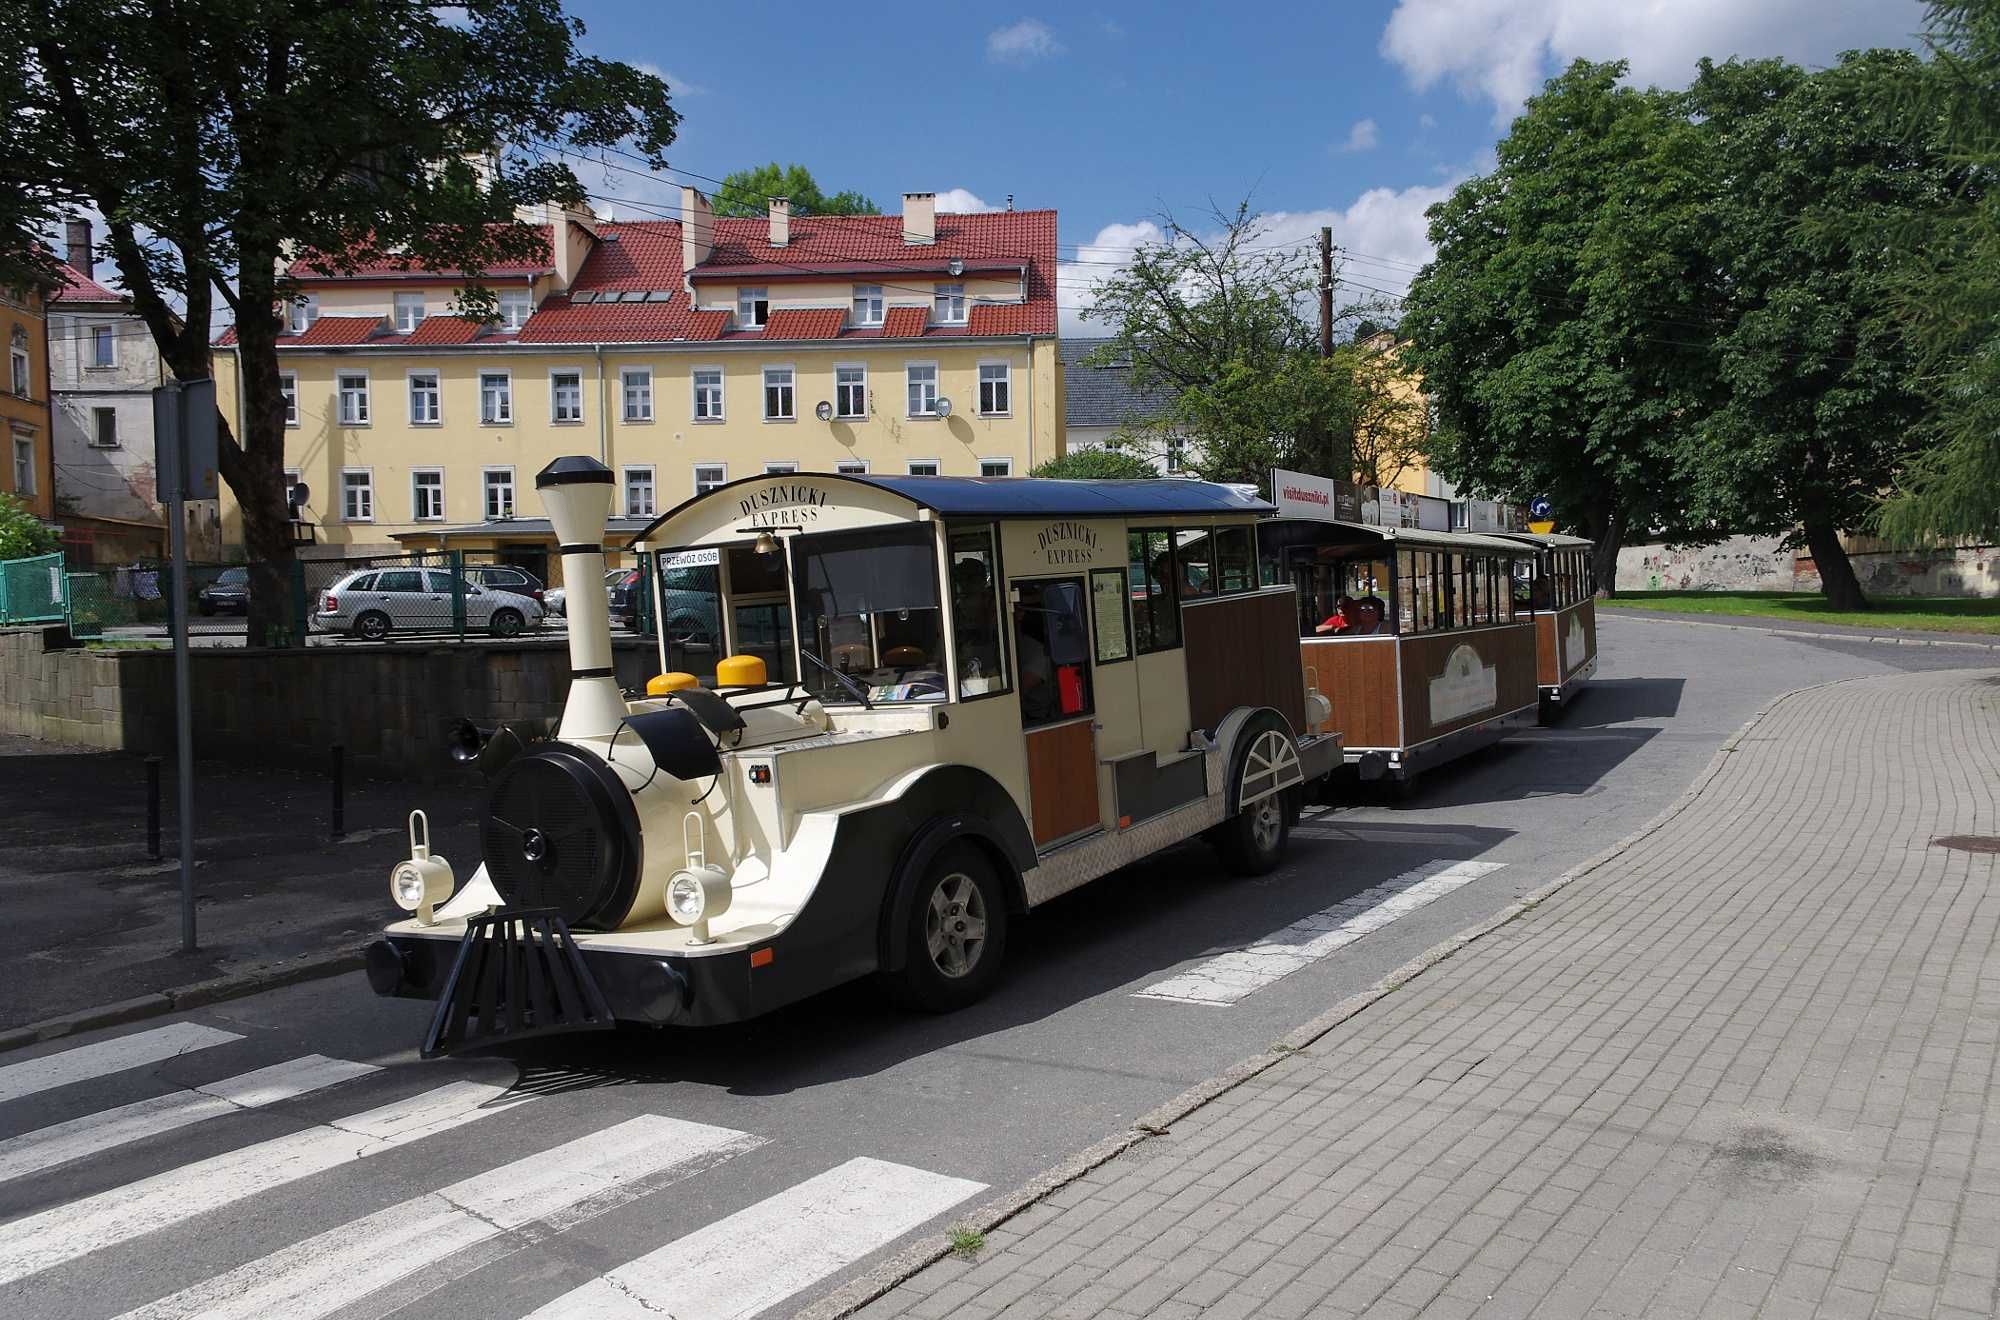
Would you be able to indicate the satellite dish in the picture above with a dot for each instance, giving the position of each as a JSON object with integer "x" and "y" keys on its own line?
{"x": 943, "y": 406}
{"x": 297, "y": 496}
{"x": 824, "y": 411}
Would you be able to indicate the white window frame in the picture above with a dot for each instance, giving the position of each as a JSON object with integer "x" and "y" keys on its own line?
{"x": 721, "y": 470}
{"x": 417, "y": 513}
{"x": 507, "y": 398}
{"x": 437, "y": 396}
{"x": 400, "y": 304}
{"x": 910, "y": 467}
{"x": 512, "y": 300}
{"x": 840, "y": 413}
{"x": 792, "y": 385}
{"x": 109, "y": 335}
{"x": 948, "y": 304}
{"x": 486, "y": 475}
{"x": 98, "y": 413}
{"x": 20, "y": 367}
{"x": 869, "y": 306}
{"x": 288, "y": 388}
{"x": 367, "y": 474}
{"x": 302, "y": 312}
{"x": 556, "y": 418}
{"x": 24, "y": 472}
{"x": 781, "y": 467}
{"x": 851, "y": 467}
{"x": 1007, "y": 380}
{"x": 644, "y": 378}
{"x": 747, "y": 299}
{"x": 342, "y": 394}
{"x": 694, "y": 394}
{"x": 652, "y": 503}
{"x": 1006, "y": 463}
{"x": 292, "y": 478}
{"x": 937, "y": 389}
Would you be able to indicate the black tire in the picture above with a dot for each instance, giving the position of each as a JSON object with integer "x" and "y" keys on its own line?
{"x": 1253, "y": 841}
{"x": 507, "y": 623}
{"x": 940, "y": 973}
{"x": 207, "y": 608}
{"x": 373, "y": 625}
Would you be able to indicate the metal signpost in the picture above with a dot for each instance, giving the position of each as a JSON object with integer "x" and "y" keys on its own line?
{"x": 185, "y": 458}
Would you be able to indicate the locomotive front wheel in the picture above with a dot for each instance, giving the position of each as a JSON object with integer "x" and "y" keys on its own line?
{"x": 1252, "y": 842}
{"x": 957, "y": 935}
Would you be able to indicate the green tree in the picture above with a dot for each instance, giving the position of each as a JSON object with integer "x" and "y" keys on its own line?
{"x": 1819, "y": 400}
{"x": 219, "y": 136}
{"x": 1096, "y": 465}
{"x": 1557, "y": 328}
{"x": 22, "y": 534}
{"x": 749, "y": 193}
{"x": 1945, "y": 284}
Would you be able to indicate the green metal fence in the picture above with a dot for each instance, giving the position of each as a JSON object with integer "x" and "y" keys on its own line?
{"x": 92, "y": 606}
{"x": 31, "y": 590}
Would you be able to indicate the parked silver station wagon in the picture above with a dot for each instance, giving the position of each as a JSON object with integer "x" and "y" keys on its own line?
{"x": 373, "y": 602}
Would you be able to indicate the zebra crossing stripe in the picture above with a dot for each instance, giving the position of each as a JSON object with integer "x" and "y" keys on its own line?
{"x": 1228, "y": 977}
{"x": 86, "y": 1062}
{"x": 552, "y": 1191}
{"x": 44, "y": 1148}
{"x": 66, "y": 1232}
{"x": 750, "y": 1261}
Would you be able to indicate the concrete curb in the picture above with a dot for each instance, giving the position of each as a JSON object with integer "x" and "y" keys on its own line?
{"x": 312, "y": 967}
{"x": 1890, "y": 639}
{"x": 926, "y": 1251}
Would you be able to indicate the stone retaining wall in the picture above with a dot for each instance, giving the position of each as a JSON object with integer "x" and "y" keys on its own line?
{"x": 390, "y": 705}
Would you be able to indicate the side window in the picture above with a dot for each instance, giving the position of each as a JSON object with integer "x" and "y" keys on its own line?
{"x": 402, "y": 579}
{"x": 1156, "y": 606}
{"x": 1233, "y": 567}
{"x": 366, "y": 582}
{"x": 1194, "y": 551}
{"x": 975, "y": 614}
{"x": 1052, "y": 642}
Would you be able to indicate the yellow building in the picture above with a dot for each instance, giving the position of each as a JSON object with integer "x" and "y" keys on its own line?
{"x": 29, "y": 470}
{"x": 1396, "y": 422}
{"x": 682, "y": 354}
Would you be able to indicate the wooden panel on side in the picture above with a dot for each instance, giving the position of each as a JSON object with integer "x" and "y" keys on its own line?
{"x": 1548, "y": 661}
{"x": 1244, "y": 651}
{"x": 1454, "y": 680}
{"x": 1586, "y": 613}
{"x": 1062, "y": 780}
{"x": 1358, "y": 676}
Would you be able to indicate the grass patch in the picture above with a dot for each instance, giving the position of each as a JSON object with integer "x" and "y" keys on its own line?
{"x": 127, "y": 644}
{"x": 967, "y": 1242}
{"x": 1890, "y": 613}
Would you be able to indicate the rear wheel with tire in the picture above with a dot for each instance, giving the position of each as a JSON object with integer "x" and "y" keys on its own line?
{"x": 507, "y": 623}
{"x": 1252, "y": 842}
{"x": 373, "y": 625}
{"x": 957, "y": 933}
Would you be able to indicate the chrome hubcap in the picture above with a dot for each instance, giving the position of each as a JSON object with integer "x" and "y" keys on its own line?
{"x": 1266, "y": 824}
{"x": 955, "y": 925}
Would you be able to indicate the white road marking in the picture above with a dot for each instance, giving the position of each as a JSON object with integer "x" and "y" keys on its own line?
{"x": 1228, "y": 977}
{"x": 551, "y": 1192}
{"x": 106, "y": 1057}
{"x": 65, "y": 1232}
{"x": 44, "y": 1148}
{"x": 747, "y": 1262}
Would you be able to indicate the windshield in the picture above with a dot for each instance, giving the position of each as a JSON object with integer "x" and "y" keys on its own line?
{"x": 868, "y": 607}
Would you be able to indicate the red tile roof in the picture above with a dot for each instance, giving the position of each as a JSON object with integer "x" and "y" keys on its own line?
{"x": 1002, "y": 319}
{"x": 904, "y": 322}
{"x": 313, "y": 266}
{"x": 445, "y": 330}
{"x": 77, "y": 287}
{"x": 804, "y": 323}
{"x": 561, "y": 321}
{"x": 634, "y": 256}
{"x": 707, "y": 325}
{"x": 340, "y": 330}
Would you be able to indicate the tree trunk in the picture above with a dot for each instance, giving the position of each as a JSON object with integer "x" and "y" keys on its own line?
{"x": 255, "y": 471}
{"x": 1607, "y": 535}
{"x": 1836, "y": 571}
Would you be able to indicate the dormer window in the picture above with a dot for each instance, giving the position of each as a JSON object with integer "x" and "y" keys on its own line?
{"x": 409, "y": 311}
{"x": 516, "y": 306}
{"x": 868, "y": 304}
{"x": 303, "y": 312}
{"x": 948, "y": 305}
{"x": 753, "y": 308}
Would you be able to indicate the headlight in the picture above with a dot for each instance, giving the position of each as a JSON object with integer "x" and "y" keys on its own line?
{"x": 406, "y": 884}
{"x": 697, "y": 896}
{"x": 685, "y": 899}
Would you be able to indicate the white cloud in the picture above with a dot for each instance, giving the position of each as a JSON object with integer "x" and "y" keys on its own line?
{"x": 963, "y": 201}
{"x": 1364, "y": 136}
{"x": 676, "y": 84}
{"x": 1502, "y": 50}
{"x": 1076, "y": 281}
{"x": 1022, "y": 43}
{"x": 1427, "y": 122}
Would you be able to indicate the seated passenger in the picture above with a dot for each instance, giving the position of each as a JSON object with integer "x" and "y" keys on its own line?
{"x": 1372, "y": 609}
{"x": 1342, "y": 620}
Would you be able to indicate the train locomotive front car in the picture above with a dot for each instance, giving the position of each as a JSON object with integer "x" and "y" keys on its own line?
{"x": 894, "y": 715}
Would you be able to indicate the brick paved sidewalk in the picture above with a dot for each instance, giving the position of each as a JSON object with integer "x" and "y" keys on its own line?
{"x": 1744, "y": 1067}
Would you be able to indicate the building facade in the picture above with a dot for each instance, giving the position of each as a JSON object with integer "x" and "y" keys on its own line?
{"x": 683, "y": 354}
{"x": 1101, "y": 404}
{"x": 28, "y": 473}
{"x": 103, "y": 366}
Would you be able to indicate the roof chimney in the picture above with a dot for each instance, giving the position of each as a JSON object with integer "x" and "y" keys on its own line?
{"x": 920, "y": 218}
{"x": 781, "y": 221}
{"x": 697, "y": 230}
{"x": 80, "y": 259}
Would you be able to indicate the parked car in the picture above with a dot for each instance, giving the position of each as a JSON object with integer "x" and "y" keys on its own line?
{"x": 621, "y": 589}
{"x": 555, "y": 600}
{"x": 372, "y": 603}
{"x": 506, "y": 577}
{"x": 228, "y": 594}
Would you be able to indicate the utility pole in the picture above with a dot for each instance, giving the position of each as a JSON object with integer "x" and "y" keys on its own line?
{"x": 1326, "y": 291}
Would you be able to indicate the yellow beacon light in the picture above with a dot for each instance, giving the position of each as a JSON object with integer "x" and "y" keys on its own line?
{"x": 740, "y": 671}
{"x": 659, "y": 685}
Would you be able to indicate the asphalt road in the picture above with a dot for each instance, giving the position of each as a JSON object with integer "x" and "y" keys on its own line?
{"x": 1066, "y": 1052}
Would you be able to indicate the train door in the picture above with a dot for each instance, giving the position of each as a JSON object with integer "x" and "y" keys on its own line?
{"x": 1058, "y": 708}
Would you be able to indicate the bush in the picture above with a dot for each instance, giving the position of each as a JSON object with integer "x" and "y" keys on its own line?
{"x": 22, "y": 534}
{"x": 1096, "y": 465}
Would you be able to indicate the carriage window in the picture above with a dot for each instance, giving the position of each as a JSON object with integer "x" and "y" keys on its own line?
{"x": 1425, "y": 591}
{"x": 1156, "y": 608}
{"x": 1233, "y": 565}
{"x": 868, "y": 607}
{"x": 975, "y": 614}
{"x": 760, "y": 616}
{"x": 1053, "y": 646}
{"x": 1194, "y": 552}
{"x": 691, "y": 606}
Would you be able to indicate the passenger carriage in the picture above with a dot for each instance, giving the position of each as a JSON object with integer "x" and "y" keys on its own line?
{"x": 901, "y": 712}
{"x": 1562, "y": 595}
{"x": 1415, "y": 636}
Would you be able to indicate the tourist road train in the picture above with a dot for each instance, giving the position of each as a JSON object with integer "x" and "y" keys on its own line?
{"x": 915, "y": 710}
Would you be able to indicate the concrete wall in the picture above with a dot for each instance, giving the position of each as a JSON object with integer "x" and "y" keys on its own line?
{"x": 1756, "y": 563}
{"x": 390, "y": 705}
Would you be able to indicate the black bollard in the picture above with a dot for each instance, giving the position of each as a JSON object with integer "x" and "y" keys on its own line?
{"x": 153, "y": 808}
{"x": 339, "y": 789}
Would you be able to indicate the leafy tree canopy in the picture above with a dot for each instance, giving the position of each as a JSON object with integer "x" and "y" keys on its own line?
{"x": 1096, "y": 465}
{"x": 22, "y": 534}
{"x": 749, "y": 193}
